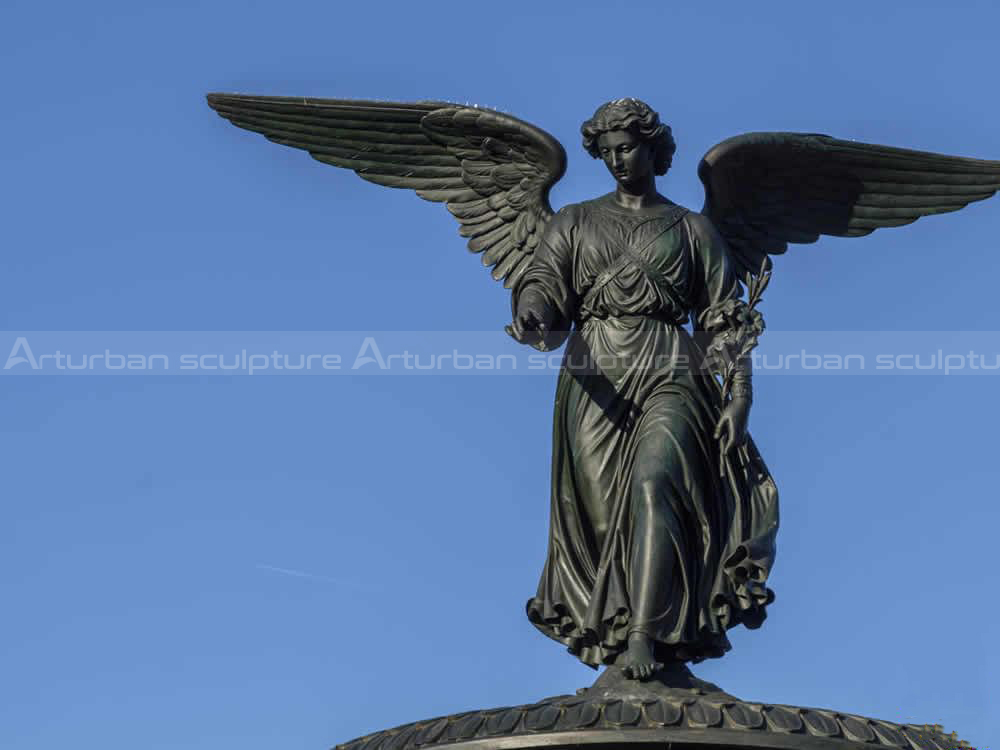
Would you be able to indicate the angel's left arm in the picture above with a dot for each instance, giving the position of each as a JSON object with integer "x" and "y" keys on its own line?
{"x": 729, "y": 325}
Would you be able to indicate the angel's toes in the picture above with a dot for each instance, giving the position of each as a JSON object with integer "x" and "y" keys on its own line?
{"x": 648, "y": 670}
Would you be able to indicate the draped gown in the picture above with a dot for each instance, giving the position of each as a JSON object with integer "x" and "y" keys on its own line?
{"x": 651, "y": 529}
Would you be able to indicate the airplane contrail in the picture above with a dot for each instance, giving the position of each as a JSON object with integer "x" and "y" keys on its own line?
{"x": 304, "y": 574}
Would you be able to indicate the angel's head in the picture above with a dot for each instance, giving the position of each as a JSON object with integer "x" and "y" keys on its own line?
{"x": 628, "y": 135}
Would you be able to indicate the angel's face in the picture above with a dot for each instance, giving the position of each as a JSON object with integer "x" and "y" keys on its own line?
{"x": 628, "y": 158}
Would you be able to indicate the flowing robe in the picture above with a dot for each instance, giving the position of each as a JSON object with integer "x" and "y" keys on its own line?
{"x": 652, "y": 529}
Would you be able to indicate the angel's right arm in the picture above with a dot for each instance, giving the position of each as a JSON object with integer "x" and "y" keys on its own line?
{"x": 547, "y": 285}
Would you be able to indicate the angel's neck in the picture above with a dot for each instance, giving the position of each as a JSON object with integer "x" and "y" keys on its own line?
{"x": 637, "y": 199}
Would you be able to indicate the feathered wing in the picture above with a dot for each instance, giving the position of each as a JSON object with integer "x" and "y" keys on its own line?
{"x": 492, "y": 170}
{"x": 766, "y": 190}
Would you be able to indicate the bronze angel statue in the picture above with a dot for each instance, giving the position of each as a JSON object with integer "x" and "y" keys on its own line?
{"x": 663, "y": 515}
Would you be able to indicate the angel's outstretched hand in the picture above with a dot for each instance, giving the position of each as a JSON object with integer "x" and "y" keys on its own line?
{"x": 532, "y": 322}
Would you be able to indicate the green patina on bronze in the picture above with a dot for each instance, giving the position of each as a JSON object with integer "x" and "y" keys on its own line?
{"x": 663, "y": 514}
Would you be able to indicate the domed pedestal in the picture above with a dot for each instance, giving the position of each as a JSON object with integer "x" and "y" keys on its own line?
{"x": 675, "y": 711}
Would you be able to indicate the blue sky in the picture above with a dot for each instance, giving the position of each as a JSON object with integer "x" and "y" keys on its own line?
{"x": 204, "y": 560}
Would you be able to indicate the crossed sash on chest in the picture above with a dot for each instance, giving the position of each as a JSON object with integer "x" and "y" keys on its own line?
{"x": 632, "y": 256}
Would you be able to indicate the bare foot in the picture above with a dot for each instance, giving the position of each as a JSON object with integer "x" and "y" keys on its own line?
{"x": 639, "y": 662}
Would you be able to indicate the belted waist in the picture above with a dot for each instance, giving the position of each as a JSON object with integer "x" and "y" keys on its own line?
{"x": 663, "y": 316}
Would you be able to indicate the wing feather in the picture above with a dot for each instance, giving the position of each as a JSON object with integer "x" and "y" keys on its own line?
{"x": 474, "y": 229}
{"x": 518, "y": 271}
{"x": 374, "y": 133}
{"x": 492, "y": 170}
{"x": 505, "y": 266}
{"x": 766, "y": 190}
{"x": 497, "y": 252}
{"x": 447, "y": 196}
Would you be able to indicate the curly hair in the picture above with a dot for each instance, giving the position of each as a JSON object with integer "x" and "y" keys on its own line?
{"x": 637, "y": 117}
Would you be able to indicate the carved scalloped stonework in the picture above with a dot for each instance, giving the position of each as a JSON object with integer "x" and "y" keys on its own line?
{"x": 712, "y": 719}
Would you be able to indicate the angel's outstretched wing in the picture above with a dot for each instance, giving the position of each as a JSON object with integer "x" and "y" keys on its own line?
{"x": 492, "y": 170}
{"x": 765, "y": 190}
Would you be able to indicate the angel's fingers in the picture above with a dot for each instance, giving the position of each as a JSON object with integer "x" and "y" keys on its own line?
{"x": 718, "y": 429}
{"x": 727, "y": 441}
